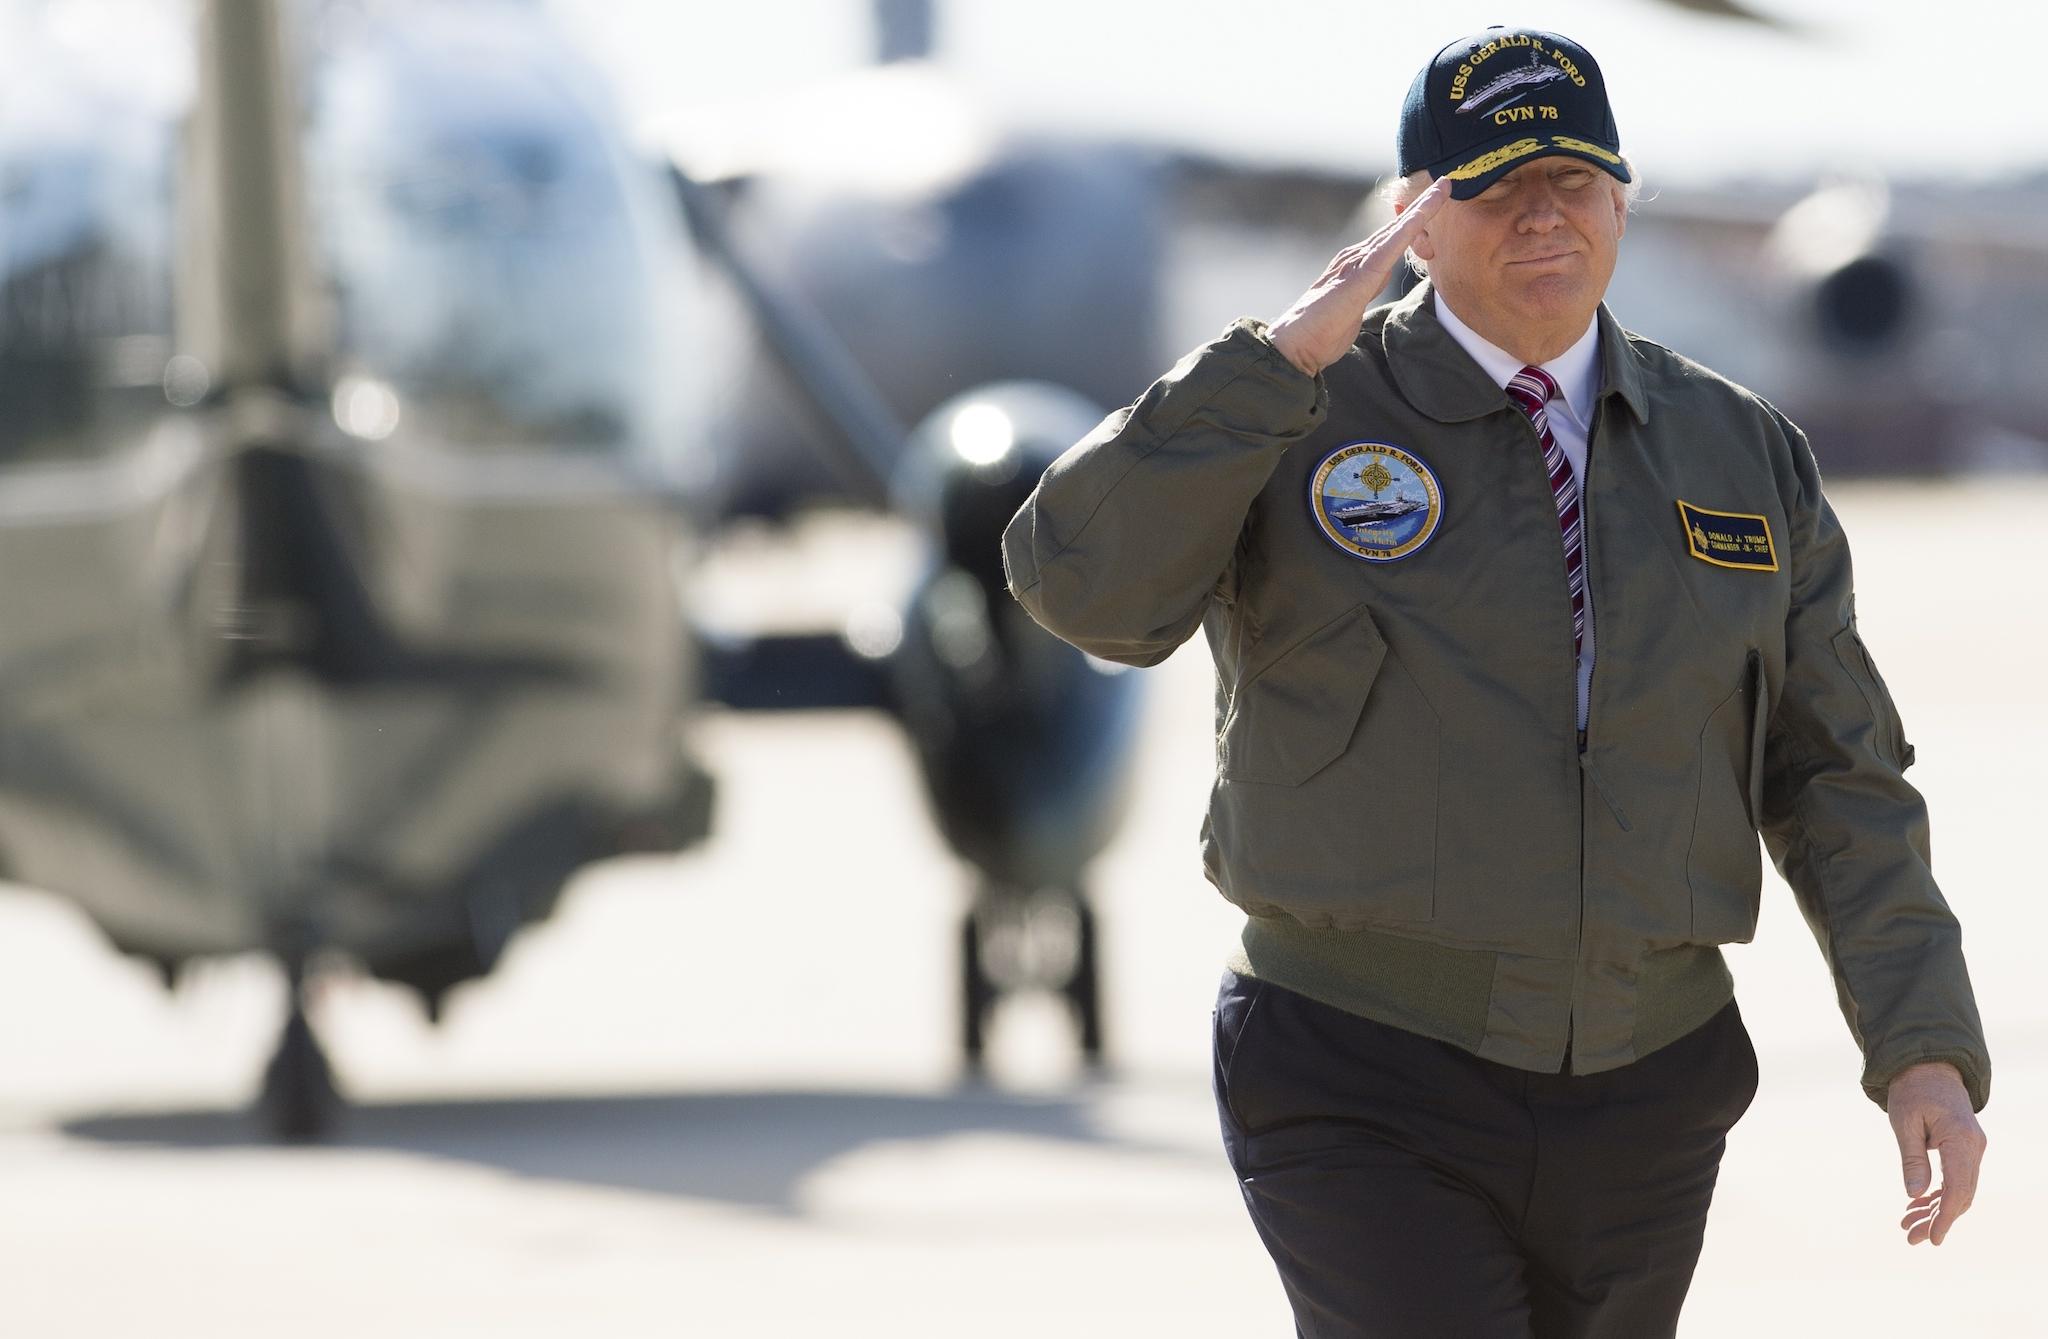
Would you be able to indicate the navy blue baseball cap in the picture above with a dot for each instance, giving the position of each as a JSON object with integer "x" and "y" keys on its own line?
{"x": 1487, "y": 103}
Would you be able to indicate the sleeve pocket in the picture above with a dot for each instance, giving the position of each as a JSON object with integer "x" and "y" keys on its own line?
{"x": 1759, "y": 732}
{"x": 1888, "y": 732}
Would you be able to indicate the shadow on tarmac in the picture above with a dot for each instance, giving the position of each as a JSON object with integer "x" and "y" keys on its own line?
{"x": 749, "y": 1149}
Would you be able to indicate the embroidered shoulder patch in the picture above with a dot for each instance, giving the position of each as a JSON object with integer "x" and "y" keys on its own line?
{"x": 1728, "y": 538}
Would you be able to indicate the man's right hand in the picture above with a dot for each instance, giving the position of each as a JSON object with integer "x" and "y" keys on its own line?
{"x": 1321, "y": 325}
{"x": 1930, "y": 1109}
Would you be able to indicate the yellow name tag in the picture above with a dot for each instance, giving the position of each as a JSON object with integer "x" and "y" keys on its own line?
{"x": 1728, "y": 538}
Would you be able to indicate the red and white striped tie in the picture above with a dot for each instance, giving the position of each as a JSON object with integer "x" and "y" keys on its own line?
{"x": 1531, "y": 390}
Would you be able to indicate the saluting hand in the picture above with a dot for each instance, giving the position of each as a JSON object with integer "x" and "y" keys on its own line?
{"x": 1930, "y": 1109}
{"x": 1323, "y": 322}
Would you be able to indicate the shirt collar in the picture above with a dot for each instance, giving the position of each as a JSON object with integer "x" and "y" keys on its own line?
{"x": 1435, "y": 374}
{"x": 1576, "y": 371}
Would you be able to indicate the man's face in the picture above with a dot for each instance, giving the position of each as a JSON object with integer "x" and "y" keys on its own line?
{"x": 1530, "y": 255}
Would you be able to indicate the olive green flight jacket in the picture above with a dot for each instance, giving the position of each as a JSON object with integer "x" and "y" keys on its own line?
{"x": 1403, "y": 804}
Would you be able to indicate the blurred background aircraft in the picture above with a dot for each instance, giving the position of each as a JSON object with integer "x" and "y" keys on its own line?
{"x": 954, "y": 210}
{"x": 346, "y": 395}
{"x": 353, "y": 456}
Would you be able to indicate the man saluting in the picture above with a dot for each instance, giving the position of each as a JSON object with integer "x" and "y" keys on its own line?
{"x": 1524, "y": 628}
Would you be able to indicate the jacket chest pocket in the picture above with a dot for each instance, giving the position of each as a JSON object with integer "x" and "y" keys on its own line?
{"x": 1293, "y": 717}
{"x": 1724, "y": 866}
{"x": 1326, "y": 802}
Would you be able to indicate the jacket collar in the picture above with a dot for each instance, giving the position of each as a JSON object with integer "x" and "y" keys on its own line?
{"x": 1438, "y": 377}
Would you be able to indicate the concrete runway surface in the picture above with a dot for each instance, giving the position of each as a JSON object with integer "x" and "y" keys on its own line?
{"x": 715, "y": 1096}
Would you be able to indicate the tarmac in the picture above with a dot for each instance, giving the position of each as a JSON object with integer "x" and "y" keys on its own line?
{"x": 717, "y": 1095}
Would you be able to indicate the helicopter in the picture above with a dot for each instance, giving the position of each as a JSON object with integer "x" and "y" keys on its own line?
{"x": 328, "y": 634}
{"x": 351, "y": 481}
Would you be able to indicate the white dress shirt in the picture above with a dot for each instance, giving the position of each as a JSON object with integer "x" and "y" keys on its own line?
{"x": 1577, "y": 373}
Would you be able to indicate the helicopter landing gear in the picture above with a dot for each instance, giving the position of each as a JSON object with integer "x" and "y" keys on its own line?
{"x": 1009, "y": 942}
{"x": 1084, "y": 984}
{"x": 298, "y": 1100}
{"x": 978, "y": 995}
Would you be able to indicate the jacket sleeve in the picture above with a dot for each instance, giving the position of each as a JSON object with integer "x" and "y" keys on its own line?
{"x": 1130, "y": 532}
{"x": 1848, "y": 831}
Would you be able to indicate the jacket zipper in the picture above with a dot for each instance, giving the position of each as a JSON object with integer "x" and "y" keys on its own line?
{"x": 1586, "y": 769}
{"x": 1593, "y": 661}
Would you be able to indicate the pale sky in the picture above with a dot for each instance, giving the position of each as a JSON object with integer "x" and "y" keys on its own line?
{"x": 1883, "y": 86}
{"x": 1855, "y": 87}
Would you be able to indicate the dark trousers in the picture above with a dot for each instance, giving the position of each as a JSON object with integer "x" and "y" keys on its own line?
{"x": 1407, "y": 1189}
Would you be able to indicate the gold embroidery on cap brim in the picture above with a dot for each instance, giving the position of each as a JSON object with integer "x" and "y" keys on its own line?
{"x": 1580, "y": 146}
{"x": 1486, "y": 162}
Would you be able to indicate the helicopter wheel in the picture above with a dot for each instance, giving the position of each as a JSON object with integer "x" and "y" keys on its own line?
{"x": 299, "y": 1098}
{"x": 977, "y": 995}
{"x": 1084, "y": 988}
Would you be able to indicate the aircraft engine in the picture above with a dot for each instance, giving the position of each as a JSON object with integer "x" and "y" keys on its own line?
{"x": 1856, "y": 280}
{"x": 1863, "y": 305}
